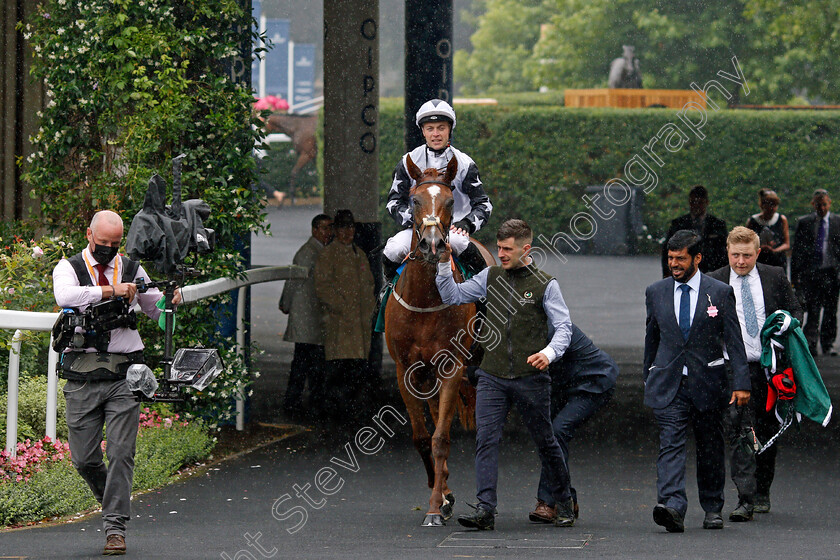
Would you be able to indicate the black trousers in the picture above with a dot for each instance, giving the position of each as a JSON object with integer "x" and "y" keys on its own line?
{"x": 307, "y": 363}
{"x": 349, "y": 389}
{"x": 674, "y": 422}
{"x": 752, "y": 473}
{"x": 820, "y": 289}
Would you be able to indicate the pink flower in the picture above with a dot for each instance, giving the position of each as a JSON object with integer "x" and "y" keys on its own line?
{"x": 37, "y": 252}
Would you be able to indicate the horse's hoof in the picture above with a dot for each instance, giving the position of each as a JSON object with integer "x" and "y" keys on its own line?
{"x": 446, "y": 507}
{"x": 433, "y": 520}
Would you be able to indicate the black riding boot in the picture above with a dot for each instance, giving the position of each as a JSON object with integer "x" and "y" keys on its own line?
{"x": 472, "y": 260}
{"x": 389, "y": 269}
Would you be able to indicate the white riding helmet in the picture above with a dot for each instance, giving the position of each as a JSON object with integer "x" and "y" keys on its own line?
{"x": 435, "y": 110}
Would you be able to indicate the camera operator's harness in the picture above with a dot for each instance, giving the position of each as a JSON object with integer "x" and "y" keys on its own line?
{"x": 92, "y": 328}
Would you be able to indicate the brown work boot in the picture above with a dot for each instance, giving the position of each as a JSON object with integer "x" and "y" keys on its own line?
{"x": 543, "y": 513}
{"x": 114, "y": 546}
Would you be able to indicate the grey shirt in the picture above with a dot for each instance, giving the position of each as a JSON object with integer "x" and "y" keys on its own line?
{"x": 474, "y": 289}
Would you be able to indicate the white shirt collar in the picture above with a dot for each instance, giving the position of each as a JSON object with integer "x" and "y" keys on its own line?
{"x": 694, "y": 283}
{"x": 752, "y": 274}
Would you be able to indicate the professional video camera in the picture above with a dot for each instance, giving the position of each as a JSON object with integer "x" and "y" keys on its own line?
{"x": 164, "y": 235}
{"x": 94, "y": 325}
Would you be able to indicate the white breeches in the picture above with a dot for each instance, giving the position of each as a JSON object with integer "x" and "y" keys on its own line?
{"x": 399, "y": 245}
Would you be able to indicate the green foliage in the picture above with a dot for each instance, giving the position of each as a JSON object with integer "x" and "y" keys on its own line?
{"x": 502, "y": 45}
{"x": 536, "y": 162}
{"x": 59, "y": 490}
{"x": 26, "y": 285}
{"x": 784, "y": 49}
{"x": 162, "y": 451}
{"x": 56, "y": 491}
{"x": 807, "y": 31}
{"x": 32, "y": 407}
{"x": 131, "y": 85}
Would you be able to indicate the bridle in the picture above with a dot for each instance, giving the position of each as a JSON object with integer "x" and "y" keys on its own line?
{"x": 427, "y": 222}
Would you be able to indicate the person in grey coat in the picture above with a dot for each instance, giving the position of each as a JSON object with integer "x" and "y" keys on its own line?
{"x": 305, "y": 328}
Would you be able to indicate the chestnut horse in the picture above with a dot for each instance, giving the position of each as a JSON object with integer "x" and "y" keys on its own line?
{"x": 301, "y": 129}
{"x": 427, "y": 339}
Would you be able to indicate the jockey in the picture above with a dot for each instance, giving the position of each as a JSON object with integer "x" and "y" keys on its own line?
{"x": 436, "y": 120}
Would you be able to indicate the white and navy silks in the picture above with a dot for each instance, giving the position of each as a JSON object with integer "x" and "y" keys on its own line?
{"x": 472, "y": 205}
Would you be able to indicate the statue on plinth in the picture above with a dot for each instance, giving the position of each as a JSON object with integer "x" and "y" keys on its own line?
{"x": 624, "y": 71}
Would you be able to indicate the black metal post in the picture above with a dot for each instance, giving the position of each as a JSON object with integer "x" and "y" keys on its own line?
{"x": 428, "y": 59}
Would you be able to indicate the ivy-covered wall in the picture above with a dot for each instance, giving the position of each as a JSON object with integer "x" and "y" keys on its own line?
{"x": 535, "y": 162}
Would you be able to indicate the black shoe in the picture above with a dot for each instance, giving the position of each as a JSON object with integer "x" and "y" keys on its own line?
{"x": 480, "y": 519}
{"x": 565, "y": 514}
{"x": 762, "y": 504}
{"x": 389, "y": 269}
{"x": 744, "y": 512}
{"x": 713, "y": 520}
{"x": 668, "y": 518}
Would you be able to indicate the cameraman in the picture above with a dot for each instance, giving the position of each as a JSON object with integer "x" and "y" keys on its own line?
{"x": 96, "y": 391}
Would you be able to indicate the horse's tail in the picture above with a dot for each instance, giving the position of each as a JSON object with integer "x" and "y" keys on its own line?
{"x": 466, "y": 404}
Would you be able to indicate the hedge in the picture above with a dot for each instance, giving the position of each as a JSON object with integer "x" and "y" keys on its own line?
{"x": 535, "y": 162}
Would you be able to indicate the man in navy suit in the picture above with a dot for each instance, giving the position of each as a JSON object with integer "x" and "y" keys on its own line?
{"x": 814, "y": 270}
{"x": 582, "y": 381}
{"x": 690, "y": 317}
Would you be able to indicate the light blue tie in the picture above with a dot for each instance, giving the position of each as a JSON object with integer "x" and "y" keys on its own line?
{"x": 685, "y": 311}
{"x": 750, "y": 319}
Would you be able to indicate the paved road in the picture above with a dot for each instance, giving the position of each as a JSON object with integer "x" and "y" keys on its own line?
{"x": 375, "y": 508}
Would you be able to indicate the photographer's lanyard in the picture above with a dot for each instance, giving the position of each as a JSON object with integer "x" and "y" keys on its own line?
{"x": 94, "y": 274}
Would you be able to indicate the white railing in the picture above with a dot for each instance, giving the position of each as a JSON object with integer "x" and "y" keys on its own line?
{"x": 308, "y": 106}
{"x": 20, "y": 321}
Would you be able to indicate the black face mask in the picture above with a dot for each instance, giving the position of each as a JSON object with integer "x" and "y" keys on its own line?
{"x": 104, "y": 254}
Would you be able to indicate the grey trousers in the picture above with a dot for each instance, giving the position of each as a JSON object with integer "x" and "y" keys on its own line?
{"x": 90, "y": 405}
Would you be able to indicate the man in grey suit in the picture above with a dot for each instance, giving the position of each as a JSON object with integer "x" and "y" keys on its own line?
{"x": 814, "y": 270}
{"x": 305, "y": 328}
{"x": 760, "y": 291}
{"x": 690, "y": 317}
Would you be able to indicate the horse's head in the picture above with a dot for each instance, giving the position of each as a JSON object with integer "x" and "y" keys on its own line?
{"x": 432, "y": 203}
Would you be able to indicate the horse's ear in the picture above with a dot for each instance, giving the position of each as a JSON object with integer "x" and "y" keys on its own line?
{"x": 413, "y": 171}
{"x": 451, "y": 170}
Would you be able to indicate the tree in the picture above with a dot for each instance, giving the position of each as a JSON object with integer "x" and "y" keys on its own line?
{"x": 784, "y": 49}
{"x": 502, "y": 46}
{"x": 677, "y": 42}
{"x": 809, "y": 35}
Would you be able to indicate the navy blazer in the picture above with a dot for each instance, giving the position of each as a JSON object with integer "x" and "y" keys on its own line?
{"x": 666, "y": 351}
{"x": 804, "y": 243}
{"x": 583, "y": 367}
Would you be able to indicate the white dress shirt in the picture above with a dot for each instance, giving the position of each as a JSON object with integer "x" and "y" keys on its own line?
{"x": 752, "y": 344}
{"x": 694, "y": 284}
{"x": 68, "y": 293}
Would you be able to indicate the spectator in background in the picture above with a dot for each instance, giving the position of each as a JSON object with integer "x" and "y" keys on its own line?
{"x": 344, "y": 286}
{"x": 772, "y": 230}
{"x": 814, "y": 268}
{"x": 305, "y": 329}
{"x": 712, "y": 232}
